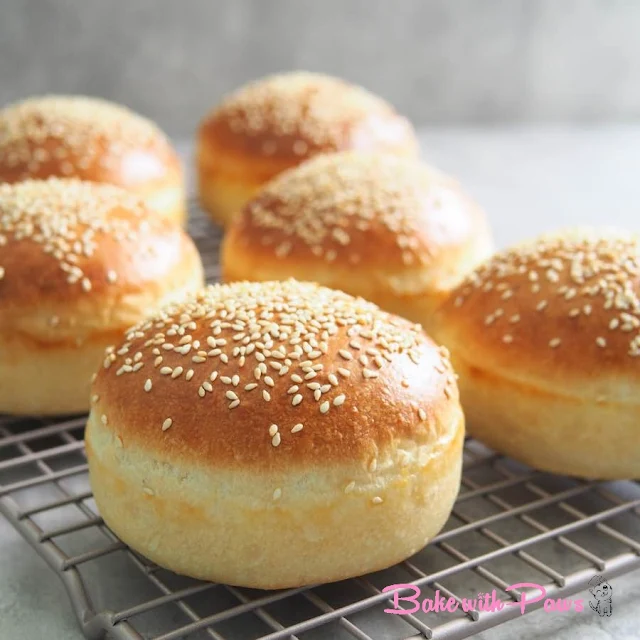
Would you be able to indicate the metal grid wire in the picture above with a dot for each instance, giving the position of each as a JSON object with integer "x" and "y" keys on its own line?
{"x": 509, "y": 525}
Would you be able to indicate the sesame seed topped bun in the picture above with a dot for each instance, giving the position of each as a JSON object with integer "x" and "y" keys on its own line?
{"x": 275, "y": 435}
{"x": 79, "y": 263}
{"x": 392, "y": 230}
{"x": 546, "y": 338}
{"x": 278, "y": 122}
{"x": 91, "y": 139}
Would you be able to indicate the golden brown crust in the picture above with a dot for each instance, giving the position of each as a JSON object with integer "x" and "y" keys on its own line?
{"x": 289, "y": 117}
{"x": 378, "y": 380}
{"x": 85, "y": 138}
{"x": 352, "y": 208}
{"x": 78, "y": 256}
{"x": 565, "y": 305}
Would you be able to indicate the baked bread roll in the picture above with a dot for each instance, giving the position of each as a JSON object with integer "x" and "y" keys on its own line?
{"x": 276, "y": 435}
{"x": 276, "y": 123}
{"x": 95, "y": 140}
{"x": 392, "y": 230}
{"x": 79, "y": 263}
{"x": 546, "y": 339}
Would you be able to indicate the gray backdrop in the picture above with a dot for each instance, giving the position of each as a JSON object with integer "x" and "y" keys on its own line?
{"x": 453, "y": 61}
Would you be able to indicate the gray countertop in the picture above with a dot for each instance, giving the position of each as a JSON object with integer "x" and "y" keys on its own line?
{"x": 528, "y": 180}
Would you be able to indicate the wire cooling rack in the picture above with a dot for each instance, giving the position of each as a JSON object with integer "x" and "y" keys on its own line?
{"x": 509, "y": 525}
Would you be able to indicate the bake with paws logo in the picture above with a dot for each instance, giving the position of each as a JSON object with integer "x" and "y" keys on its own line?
{"x": 601, "y": 592}
{"x": 600, "y": 589}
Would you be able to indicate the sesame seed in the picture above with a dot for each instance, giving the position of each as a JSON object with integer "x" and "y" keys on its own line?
{"x": 234, "y": 403}
{"x": 422, "y": 414}
{"x": 275, "y": 441}
{"x": 165, "y": 371}
{"x": 177, "y": 372}
{"x": 147, "y": 385}
{"x": 377, "y": 500}
{"x": 251, "y": 386}
{"x": 345, "y": 373}
{"x": 368, "y": 373}
{"x": 554, "y": 342}
{"x": 297, "y": 427}
{"x": 296, "y": 400}
{"x": 273, "y": 429}
{"x": 231, "y": 395}
{"x": 324, "y": 407}
{"x": 103, "y": 419}
{"x": 167, "y": 424}
{"x": 339, "y": 400}
{"x": 277, "y": 494}
{"x": 507, "y": 338}
{"x": 266, "y": 396}
{"x": 345, "y": 354}
{"x": 350, "y": 487}
{"x": 601, "y": 342}
{"x": 189, "y": 374}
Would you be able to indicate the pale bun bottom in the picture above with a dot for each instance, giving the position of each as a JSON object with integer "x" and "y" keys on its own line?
{"x": 49, "y": 380}
{"x": 225, "y": 526}
{"x": 547, "y": 431}
{"x": 222, "y": 197}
